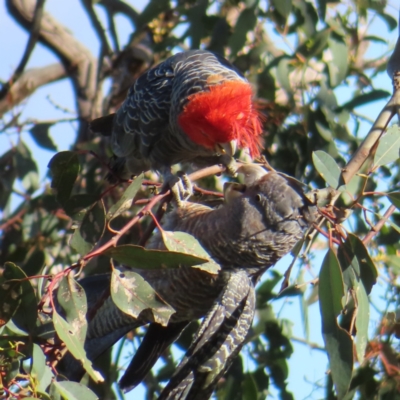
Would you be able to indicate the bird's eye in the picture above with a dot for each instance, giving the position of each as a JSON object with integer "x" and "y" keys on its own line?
{"x": 258, "y": 198}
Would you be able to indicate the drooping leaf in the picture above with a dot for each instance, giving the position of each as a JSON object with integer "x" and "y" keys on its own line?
{"x": 139, "y": 257}
{"x": 337, "y": 67}
{"x": 394, "y": 198}
{"x": 322, "y": 8}
{"x": 283, "y": 74}
{"x": 338, "y": 342}
{"x": 364, "y": 98}
{"x": 94, "y": 223}
{"x": 245, "y": 23}
{"x": 72, "y": 330}
{"x": 40, "y": 134}
{"x": 78, "y": 202}
{"x": 70, "y": 336}
{"x": 283, "y": 7}
{"x": 17, "y": 298}
{"x": 8, "y": 174}
{"x": 64, "y": 167}
{"x": 72, "y": 299}
{"x": 327, "y": 168}
{"x": 26, "y": 168}
{"x": 132, "y": 294}
{"x": 125, "y": 202}
{"x": 40, "y": 371}
{"x": 182, "y": 242}
{"x": 362, "y": 321}
{"x": 388, "y": 147}
{"x": 368, "y": 271}
{"x": 250, "y": 391}
{"x": 79, "y": 244}
{"x": 74, "y": 391}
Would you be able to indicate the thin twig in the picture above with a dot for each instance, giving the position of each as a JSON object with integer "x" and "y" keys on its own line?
{"x": 375, "y": 229}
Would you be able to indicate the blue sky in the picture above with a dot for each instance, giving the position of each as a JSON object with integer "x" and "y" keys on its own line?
{"x": 305, "y": 365}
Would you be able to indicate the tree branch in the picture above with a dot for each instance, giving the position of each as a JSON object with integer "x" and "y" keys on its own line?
{"x": 33, "y": 38}
{"x": 28, "y": 82}
{"x": 77, "y": 59}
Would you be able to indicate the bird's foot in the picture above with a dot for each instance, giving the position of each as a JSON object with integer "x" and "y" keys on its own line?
{"x": 180, "y": 185}
{"x": 230, "y": 164}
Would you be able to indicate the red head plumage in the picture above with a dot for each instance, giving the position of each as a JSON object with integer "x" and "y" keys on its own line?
{"x": 222, "y": 114}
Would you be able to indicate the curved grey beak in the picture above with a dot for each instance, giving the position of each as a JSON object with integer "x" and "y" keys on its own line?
{"x": 228, "y": 148}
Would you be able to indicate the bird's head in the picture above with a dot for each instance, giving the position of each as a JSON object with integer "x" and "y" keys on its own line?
{"x": 223, "y": 116}
{"x": 275, "y": 196}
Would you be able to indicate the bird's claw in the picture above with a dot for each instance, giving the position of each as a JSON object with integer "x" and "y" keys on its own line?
{"x": 230, "y": 165}
{"x": 181, "y": 187}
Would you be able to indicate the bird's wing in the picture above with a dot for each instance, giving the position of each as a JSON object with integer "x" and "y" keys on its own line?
{"x": 144, "y": 116}
{"x": 219, "y": 339}
{"x": 154, "y": 343}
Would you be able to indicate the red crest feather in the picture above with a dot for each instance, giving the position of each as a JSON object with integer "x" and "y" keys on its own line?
{"x": 224, "y": 113}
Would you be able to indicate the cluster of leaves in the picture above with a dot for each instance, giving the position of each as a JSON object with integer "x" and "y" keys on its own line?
{"x": 73, "y": 223}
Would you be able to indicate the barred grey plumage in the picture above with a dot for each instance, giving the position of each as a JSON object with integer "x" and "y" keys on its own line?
{"x": 155, "y": 128}
{"x": 259, "y": 223}
{"x": 219, "y": 339}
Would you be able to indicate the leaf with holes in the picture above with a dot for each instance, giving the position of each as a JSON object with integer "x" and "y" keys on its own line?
{"x": 132, "y": 294}
{"x": 183, "y": 242}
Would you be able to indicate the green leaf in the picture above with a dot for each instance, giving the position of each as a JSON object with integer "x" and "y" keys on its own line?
{"x": 322, "y": 8}
{"x": 327, "y": 168}
{"x": 245, "y": 23}
{"x": 363, "y": 99}
{"x": 282, "y": 73}
{"x": 283, "y": 7}
{"x": 388, "y": 147}
{"x": 182, "y": 242}
{"x": 26, "y": 168}
{"x": 67, "y": 334}
{"x": 125, "y": 202}
{"x": 17, "y": 298}
{"x": 338, "y": 342}
{"x": 368, "y": 271}
{"x": 94, "y": 223}
{"x": 74, "y": 391}
{"x": 78, "y": 202}
{"x": 40, "y": 134}
{"x": 394, "y": 198}
{"x": 250, "y": 391}
{"x": 72, "y": 331}
{"x": 139, "y": 257}
{"x": 8, "y": 174}
{"x": 315, "y": 44}
{"x": 79, "y": 244}
{"x": 362, "y": 321}
{"x": 41, "y": 373}
{"x": 72, "y": 299}
{"x": 331, "y": 290}
{"x": 132, "y": 294}
{"x": 64, "y": 167}
{"x": 393, "y": 262}
{"x": 338, "y": 65}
